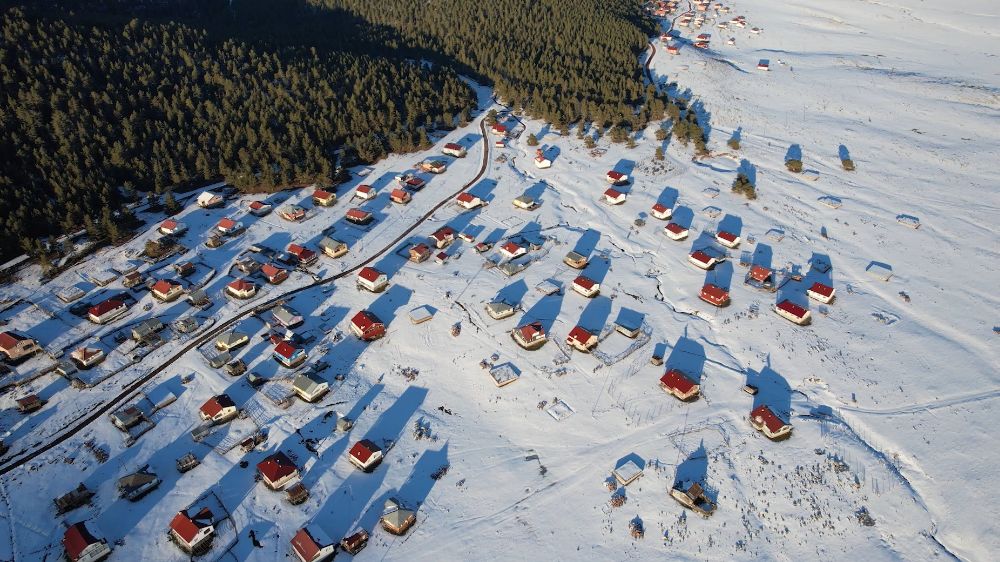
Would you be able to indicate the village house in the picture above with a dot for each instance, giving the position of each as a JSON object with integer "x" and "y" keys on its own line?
{"x": 443, "y": 237}
{"x": 218, "y": 409}
{"x": 372, "y": 279}
{"x": 16, "y": 346}
{"x": 365, "y": 455}
{"x": 82, "y": 546}
{"x": 395, "y": 519}
{"x": 764, "y": 65}
{"x": 586, "y": 286}
{"x": 727, "y": 239}
{"x": 482, "y": 247}
{"x": 662, "y": 212}
{"x": 184, "y": 268}
{"x": 673, "y": 49}
{"x": 208, "y": 200}
{"x": 702, "y": 259}
{"x": 530, "y": 336}
{"x": 411, "y": 182}
{"x": 433, "y": 166}
{"x": 106, "y": 311}
{"x": 355, "y": 543}
{"x": 228, "y": 341}
{"x": 498, "y": 129}
{"x": 199, "y": 298}
{"x": 193, "y": 534}
{"x": 575, "y": 260}
{"x": 247, "y": 265}
{"x": 628, "y": 325}
{"x": 274, "y": 274}
{"x": 614, "y": 197}
{"x": 764, "y": 420}
{"x": 131, "y": 279}
{"x": 760, "y": 277}
{"x": 467, "y": 200}
{"x": 292, "y": 213}
{"x": 400, "y": 196}
{"x": 793, "y": 312}
{"x": 332, "y": 247}
{"x": 286, "y": 316}
{"x": 241, "y": 289}
{"x": 525, "y": 202}
{"x": 364, "y": 192}
{"x": 260, "y": 209}
{"x": 541, "y": 162}
{"x": 675, "y": 231}
{"x": 512, "y": 250}
{"x": 29, "y": 404}
{"x": 228, "y": 226}
{"x": 456, "y": 150}
{"x": 310, "y": 544}
{"x": 367, "y": 326}
{"x": 288, "y": 354}
{"x": 309, "y": 387}
{"x": 679, "y": 385}
{"x": 441, "y": 258}
{"x": 171, "y": 227}
{"x": 166, "y": 291}
{"x": 136, "y": 485}
{"x": 303, "y": 256}
{"x": 323, "y": 197}
{"x": 419, "y": 253}
{"x": 820, "y": 292}
{"x": 714, "y": 295}
{"x": 499, "y": 143}
{"x": 616, "y": 178}
{"x": 498, "y": 310}
{"x": 277, "y": 470}
{"x": 581, "y": 339}
{"x": 126, "y": 418}
{"x": 359, "y": 216}
{"x": 87, "y": 357}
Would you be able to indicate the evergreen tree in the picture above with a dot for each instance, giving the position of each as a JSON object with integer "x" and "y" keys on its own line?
{"x": 532, "y": 140}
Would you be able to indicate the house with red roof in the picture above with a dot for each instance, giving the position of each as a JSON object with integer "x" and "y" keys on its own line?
{"x": 303, "y": 255}
{"x": 662, "y": 212}
{"x": 400, "y": 196}
{"x": 498, "y": 129}
{"x": 106, "y": 311}
{"x": 172, "y": 227}
{"x": 675, "y": 231}
{"x": 433, "y": 166}
{"x": 727, "y": 239}
{"x": 288, "y": 354}
{"x": 411, "y": 182}
{"x": 673, "y": 49}
{"x": 820, "y": 292}
{"x": 530, "y": 336}
{"x": 277, "y": 470}
{"x": 274, "y": 274}
{"x": 467, "y": 200}
{"x": 586, "y": 286}
{"x": 512, "y": 250}
{"x": 581, "y": 339}
{"x": 218, "y": 409}
{"x": 260, "y": 208}
{"x": 764, "y": 420}
{"x": 616, "y": 178}
{"x": 311, "y": 544}
{"x": 760, "y": 277}
{"x": 324, "y": 198}
{"x": 614, "y": 197}
{"x": 193, "y": 533}
{"x": 676, "y": 383}
{"x": 443, "y": 237}
{"x": 441, "y": 258}
{"x": 372, "y": 279}
{"x": 241, "y": 289}
{"x": 359, "y": 216}
{"x": 456, "y": 150}
{"x": 228, "y": 226}
{"x": 29, "y": 403}
{"x": 365, "y": 455}
{"x": 292, "y": 213}
{"x": 367, "y": 326}
{"x": 714, "y": 295}
{"x": 87, "y": 357}
{"x": 702, "y": 259}
{"x": 420, "y": 252}
{"x": 82, "y": 546}
{"x": 364, "y": 192}
{"x": 17, "y": 346}
{"x": 166, "y": 290}
{"x": 793, "y": 312}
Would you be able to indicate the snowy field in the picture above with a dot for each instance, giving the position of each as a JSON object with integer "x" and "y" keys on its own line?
{"x": 892, "y": 390}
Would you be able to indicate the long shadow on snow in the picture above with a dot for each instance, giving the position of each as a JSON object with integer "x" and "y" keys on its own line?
{"x": 688, "y": 356}
{"x": 772, "y": 390}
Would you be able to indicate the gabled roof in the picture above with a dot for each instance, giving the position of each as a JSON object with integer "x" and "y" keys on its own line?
{"x": 821, "y": 289}
{"x": 226, "y": 223}
{"x": 443, "y": 233}
{"x": 104, "y": 307}
{"x": 270, "y": 270}
{"x": 276, "y": 467}
{"x": 285, "y": 349}
{"x": 216, "y": 404}
{"x": 308, "y": 383}
{"x": 10, "y": 340}
{"x": 322, "y": 194}
{"x": 364, "y": 320}
{"x": 759, "y": 273}
{"x": 613, "y": 194}
{"x": 241, "y": 285}
{"x": 257, "y": 205}
{"x": 727, "y": 236}
{"x": 187, "y": 527}
{"x": 76, "y": 539}
{"x": 585, "y": 283}
{"x": 675, "y": 228}
{"x": 580, "y": 334}
{"x": 370, "y": 274}
{"x": 678, "y": 381}
{"x": 615, "y": 175}
{"x": 399, "y": 194}
{"x": 169, "y": 224}
{"x": 531, "y": 331}
{"x": 701, "y": 256}
{"x": 660, "y": 208}
{"x": 764, "y": 414}
{"x": 511, "y": 247}
{"x": 164, "y": 286}
{"x": 714, "y": 292}
{"x": 453, "y": 146}
{"x": 421, "y": 248}
{"x": 357, "y": 214}
{"x": 363, "y": 188}
{"x": 306, "y": 545}
{"x": 792, "y": 308}
{"x": 363, "y": 450}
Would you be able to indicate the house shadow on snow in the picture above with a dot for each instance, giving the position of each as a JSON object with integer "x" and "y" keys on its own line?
{"x": 587, "y": 242}
{"x": 514, "y": 293}
{"x": 683, "y": 216}
{"x": 694, "y": 469}
{"x": 597, "y": 268}
{"x": 763, "y": 255}
{"x": 721, "y": 275}
{"x": 687, "y": 356}
{"x": 545, "y": 311}
{"x": 749, "y": 170}
{"x": 843, "y": 153}
{"x": 814, "y": 274}
{"x": 731, "y": 223}
{"x": 794, "y": 153}
{"x": 625, "y": 166}
{"x": 668, "y": 197}
{"x": 772, "y": 390}
{"x": 595, "y": 316}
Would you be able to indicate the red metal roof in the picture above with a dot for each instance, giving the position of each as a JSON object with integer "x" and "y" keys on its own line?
{"x": 364, "y": 320}
{"x": 226, "y": 223}
{"x": 466, "y": 197}
{"x": 660, "y": 208}
{"x": 585, "y": 283}
{"x": 285, "y": 349}
{"x": 305, "y": 545}
{"x": 499, "y": 128}
{"x": 187, "y": 527}
{"x": 727, "y": 236}
{"x": 215, "y": 404}
{"x": 163, "y": 286}
{"x": 399, "y": 195}
{"x": 9, "y": 340}
{"x": 168, "y": 224}
{"x": 421, "y": 248}
{"x": 322, "y": 194}
{"x": 714, "y": 294}
{"x": 300, "y": 252}
{"x": 764, "y": 414}
{"x": 240, "y": 285}
{"x": 358, "y": 214}
{"x": 531, "y": 331}
{"x": 443, "y": 233}
{"x": 363, "y": 188}
{"x": 677, "y": 380}
{"x": 580, "y": 334}
{"x": 270, "y": 270}
{"x": 821, "y": 289}
{"x": 675, "y": 228}
{"x": 759, "y": 273}
{"x": 369, "y": 274}
{"x": 511, "y": 247}
{"x": 701, "y": 256}
{"x": 102, "y": 308}
{"x": 258, "y": 205}
{"x": 615, "y": 175}
{"x": 612, "y": 194}
{"x": 453, "y": 146}
{"x": 276, "y": 467}
{"x": 76, "y": 539}
{"x": 792, "y": 308}
{"x": 363, "y": 450}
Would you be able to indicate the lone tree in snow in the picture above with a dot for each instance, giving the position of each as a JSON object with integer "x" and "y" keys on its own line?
{"x": 491, "y": 117}
{"x": 733, "y": 143}
{"x": 661, "y": 133}
{"x": 793, "y": 165}
{"x": 743, "y": 186}
{"x": 588, "y": 142}
{"x": 848, "y": 164}
{"x": 532, "y": 140}
{"x": 659, "y": 153}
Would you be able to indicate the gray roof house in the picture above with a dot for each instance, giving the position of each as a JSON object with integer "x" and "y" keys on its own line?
{"x": 135, "y": 486}
{"x": 310, "y": 387}
{"x": 146, "y": 329}
{"x": 286, "y": 316}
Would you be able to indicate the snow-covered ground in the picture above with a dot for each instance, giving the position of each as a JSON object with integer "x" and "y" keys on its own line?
{"x": 891, "y": 399}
